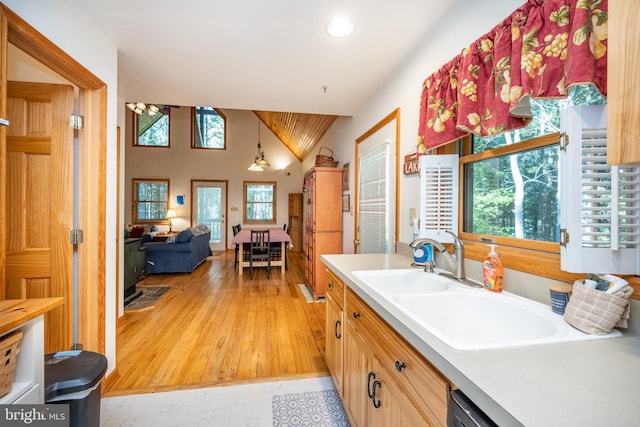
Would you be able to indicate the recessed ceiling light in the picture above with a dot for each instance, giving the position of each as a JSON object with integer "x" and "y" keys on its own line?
{"x": 340, "y": 27}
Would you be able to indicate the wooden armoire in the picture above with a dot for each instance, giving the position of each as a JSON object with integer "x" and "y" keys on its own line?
{"x": 322, "y": 223}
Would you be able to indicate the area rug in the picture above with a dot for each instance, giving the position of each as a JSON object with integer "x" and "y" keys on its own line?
{"x": 315, "y": 408}
{"x": 148, "y": 299}
{"x": 249, "y": 405}
{"x": 308, "y": 295}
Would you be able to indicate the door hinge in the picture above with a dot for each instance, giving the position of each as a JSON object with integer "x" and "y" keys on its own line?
{"x": 564, "y": 140}
{"x": 76, "y": 236}
{"x": 76, "y": 121}
{"x": 564, "y": 237}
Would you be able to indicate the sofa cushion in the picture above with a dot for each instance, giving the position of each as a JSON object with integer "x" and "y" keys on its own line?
{"x": 184, "y": 236}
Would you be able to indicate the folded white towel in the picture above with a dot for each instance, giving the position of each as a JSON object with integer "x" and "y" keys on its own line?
{"x": 617, "y": 283}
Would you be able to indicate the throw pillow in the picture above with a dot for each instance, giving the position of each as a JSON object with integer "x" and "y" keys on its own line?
{"x": 184, "y": 236}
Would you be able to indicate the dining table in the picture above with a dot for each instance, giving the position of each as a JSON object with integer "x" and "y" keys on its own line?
{"x": 276, "y": 235}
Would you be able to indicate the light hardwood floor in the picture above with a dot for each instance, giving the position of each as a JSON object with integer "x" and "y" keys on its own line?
{"x": 214, "y": 327}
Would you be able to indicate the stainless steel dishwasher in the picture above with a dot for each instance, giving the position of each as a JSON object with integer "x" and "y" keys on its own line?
{"x": 462, "y": 412}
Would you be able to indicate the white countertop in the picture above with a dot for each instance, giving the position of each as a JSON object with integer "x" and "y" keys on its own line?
{"x": 589, "y": 383}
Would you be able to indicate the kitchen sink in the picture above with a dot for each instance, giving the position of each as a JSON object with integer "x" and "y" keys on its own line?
{"x": 403, "y": 282}
{"x": 469, "y": 318}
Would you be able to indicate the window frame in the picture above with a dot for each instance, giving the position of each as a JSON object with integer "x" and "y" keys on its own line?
{"x": 194, "y": 129}
{"x": 245, "y": 184}
{"x": 134, "y": 140}
{"x": 134, "y": 201}
{"x": 534, "y": 257}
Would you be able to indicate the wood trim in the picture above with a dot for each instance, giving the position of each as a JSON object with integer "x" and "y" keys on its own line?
{"x": 118, "y": 221}
{"x": 93, "y": 102}
{"x": 25, "y": 37}
{"x": 3, "y": 152}
{"x": 92, "y": 253}
{"x": 395, "y": 114}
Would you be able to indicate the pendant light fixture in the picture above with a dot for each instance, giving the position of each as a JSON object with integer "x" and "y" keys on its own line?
{"x": 141, "y": 107}
{"x": 259, "y": 162}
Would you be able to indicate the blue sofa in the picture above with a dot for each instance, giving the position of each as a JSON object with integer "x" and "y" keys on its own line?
{"x": 179, "y": 254}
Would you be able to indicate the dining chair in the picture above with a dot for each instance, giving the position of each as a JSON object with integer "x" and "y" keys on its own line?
{"x": 260, "y": 250}
{"x": 236, "y": 229}
{"x": 276, "y": 250}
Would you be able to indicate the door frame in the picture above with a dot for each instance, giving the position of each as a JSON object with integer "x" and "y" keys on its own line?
{"x": 394, "y": 115}
{"x": 223, "y": 183}
{"x": 92, "y": 170}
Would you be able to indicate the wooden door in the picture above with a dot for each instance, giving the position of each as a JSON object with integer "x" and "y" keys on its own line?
{"x": 39, "y": 201}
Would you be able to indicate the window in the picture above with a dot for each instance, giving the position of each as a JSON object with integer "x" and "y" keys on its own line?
{"x": 151, "y": 129}
{"x": 510, "y": 190}
{"x": 259, "y": 202}
{"x": 150, "y": 200}
{"x": 511, "y": 180}
{"x": 208, "y": 128}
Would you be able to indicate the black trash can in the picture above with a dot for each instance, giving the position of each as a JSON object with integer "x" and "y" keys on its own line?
{"x": 75, "y": 378}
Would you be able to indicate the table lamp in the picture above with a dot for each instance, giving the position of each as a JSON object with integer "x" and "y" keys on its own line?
{"x": 170, "y": 215}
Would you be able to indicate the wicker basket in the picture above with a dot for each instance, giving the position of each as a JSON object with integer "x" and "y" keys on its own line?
{"x": 9, "y": 349}
{"x": 325, "y": 160}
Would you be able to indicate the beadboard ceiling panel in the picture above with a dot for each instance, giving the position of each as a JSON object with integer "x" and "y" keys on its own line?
{"x": 299, "y": 132}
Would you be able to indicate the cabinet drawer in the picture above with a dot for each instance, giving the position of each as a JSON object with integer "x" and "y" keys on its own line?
{"x": 418, "y": 379}
{"x": 335, "y": 288}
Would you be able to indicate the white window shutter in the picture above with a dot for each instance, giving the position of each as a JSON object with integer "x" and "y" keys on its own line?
{"x": 439, "y": 196}
{"x": 599, "y": 204}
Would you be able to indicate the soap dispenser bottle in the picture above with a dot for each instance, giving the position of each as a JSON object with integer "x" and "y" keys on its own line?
{"x": 492, "y": 270}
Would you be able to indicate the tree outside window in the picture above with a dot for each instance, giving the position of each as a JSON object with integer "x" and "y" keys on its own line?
{"x": 259, "y": 202}
{"x": 511, "y": 180}
{"x": 151, "y": 129}
{"x": 150, "y": 200}
{"x": 208, "y": 128}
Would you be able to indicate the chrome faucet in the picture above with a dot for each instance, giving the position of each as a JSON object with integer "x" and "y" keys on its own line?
{"x": 456, "y": 260}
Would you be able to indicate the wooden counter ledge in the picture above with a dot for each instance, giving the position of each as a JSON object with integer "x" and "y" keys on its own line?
{"x": 15, "y": 312}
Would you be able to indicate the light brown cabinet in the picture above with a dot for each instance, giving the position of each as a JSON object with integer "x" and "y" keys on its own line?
{"x": 295, "y": 221}
{"x": 623, "y": 89}
{"x": 334, "y": 349}
{"x": 385, "y": 380}
{"x": 323, "y": 223}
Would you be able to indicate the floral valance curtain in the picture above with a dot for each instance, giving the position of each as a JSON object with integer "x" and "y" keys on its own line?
{"x": 539, "y": 51}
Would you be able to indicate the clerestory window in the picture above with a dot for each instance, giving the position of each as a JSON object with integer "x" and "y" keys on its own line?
{"x": 208, "y": 128}
{"x": 151, "y": 128}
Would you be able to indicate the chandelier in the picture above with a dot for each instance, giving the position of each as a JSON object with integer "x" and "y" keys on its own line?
{"x": 259, "y": 162}
{"x": 141, "y": 107}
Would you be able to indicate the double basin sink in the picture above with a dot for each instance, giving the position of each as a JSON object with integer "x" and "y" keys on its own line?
{"x": 467, "y": 318}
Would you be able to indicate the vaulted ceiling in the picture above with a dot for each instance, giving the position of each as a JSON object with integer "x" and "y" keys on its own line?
{"x": 299, "y": 132}
{"x": 270, "y": 56}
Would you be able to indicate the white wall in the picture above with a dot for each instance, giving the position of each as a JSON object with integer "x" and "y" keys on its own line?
{"x": 467, "y": 21}
{"x": 65, "y": 25}
{"x": 180, "y": 164}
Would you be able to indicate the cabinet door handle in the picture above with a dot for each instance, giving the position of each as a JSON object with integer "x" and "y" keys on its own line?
{"x": 369, "y": 391}
{"x": 356, "y": 314}
{"x": 376, "y": 403}
{"x": 400, "y": 366}
{"x": 338, "y": 335}
{"x": 330, "y": 285}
